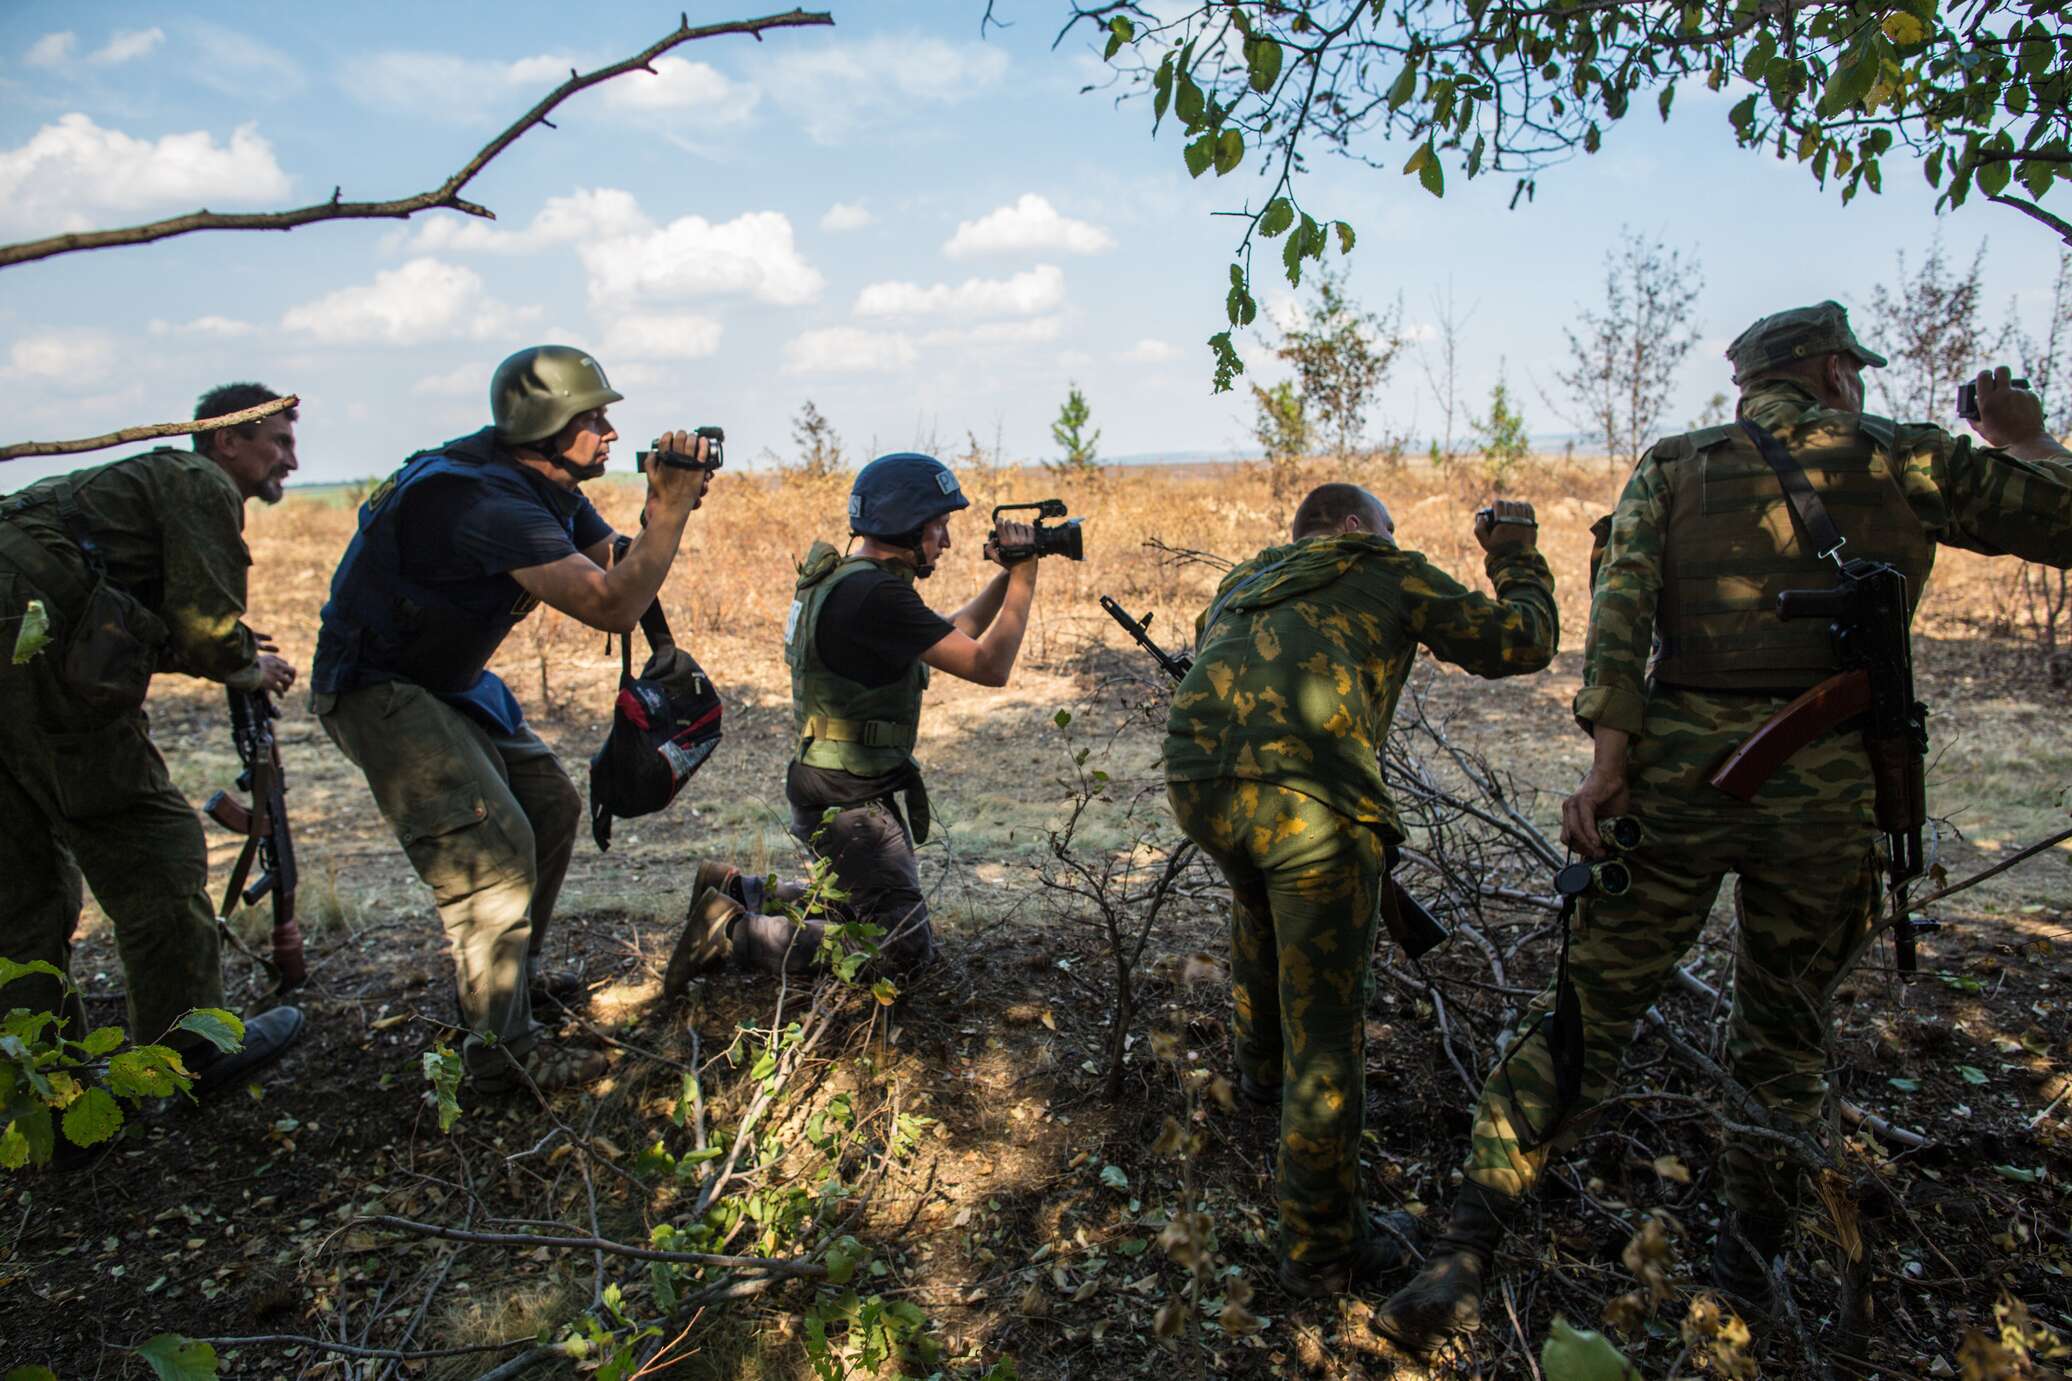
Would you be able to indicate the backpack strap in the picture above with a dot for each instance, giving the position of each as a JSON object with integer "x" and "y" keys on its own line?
{"x": 1798, "y": 491}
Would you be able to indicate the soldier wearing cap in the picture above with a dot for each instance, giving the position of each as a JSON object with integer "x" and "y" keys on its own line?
{"x": 453, "y": 551}
{"x": 1685, "y": 658}
{"x": 861, "y": 643}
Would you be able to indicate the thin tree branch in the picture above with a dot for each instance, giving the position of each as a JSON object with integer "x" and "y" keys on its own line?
{"x": 772, "y": 1266}
{"x": 156, "y": 429}
{"x": 2030, "y": 208}
{"x": 446, "y": 196}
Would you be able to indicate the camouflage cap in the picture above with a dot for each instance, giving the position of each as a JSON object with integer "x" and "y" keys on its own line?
{"x": 1799, "y": 334}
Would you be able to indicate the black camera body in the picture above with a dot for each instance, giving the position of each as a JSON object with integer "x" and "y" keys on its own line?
{"x": 1063, "y": 540}
{"x": 715, "y": 454}
{"x": 1967, "y": 397}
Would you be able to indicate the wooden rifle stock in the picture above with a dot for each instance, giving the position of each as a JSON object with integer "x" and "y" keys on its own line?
{"x": 1834, "y": 701}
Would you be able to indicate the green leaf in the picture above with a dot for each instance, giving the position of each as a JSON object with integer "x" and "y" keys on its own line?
{"x": 1972, "y": 1074}
{"x": 10, "y": 970}
{"x": 31, "y": 1373}
{"x": 1905, "y": 1085}
{"x": 216, "y": 1026}
{"x": 1115, "y": 1177}
{"x": 1061, "y": 718}
{"x": 1573, "y": 1354}
{"x": 1663, "y": 101}
{"x": 1228, "y": 365}
{"x": 1188, "y": 102}
{"x": 147, "y": 1071}
{"x": 842, "y": 1258}
{"x": 93, "y": 1117}
{"x": 34, "y": 634}
{"x": 2037, "y": 177}
{"x": 1263, "y": 58}
{"x": 174, "y": 1358}
{"x": 1404, "y": 88}
{"x": 1161, "y": 90}
{"x": 1425, "y": 163}
{"x": 1230, "y": 150}
{"x": 101, "y": 1040}
{"x": 1277, "y": 217}
{"x": 1742, "y": 117}
{"x": 1345, "y": 237}
{"x": 442, "y": 1069}
{"x": 2018, "y": 1175}
{"x": 1199, "y": 154}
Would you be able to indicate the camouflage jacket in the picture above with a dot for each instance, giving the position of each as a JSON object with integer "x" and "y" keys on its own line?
{"x": 1298, "y": 679}
{"x": 170, "y": 525}
{"x": 1962, "y": 495}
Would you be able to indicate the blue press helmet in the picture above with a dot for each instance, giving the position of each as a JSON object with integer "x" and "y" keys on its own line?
{"x": 894, "y": 495}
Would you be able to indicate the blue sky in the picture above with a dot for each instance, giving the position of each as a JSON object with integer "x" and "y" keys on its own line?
{"x": 922, "y": 230}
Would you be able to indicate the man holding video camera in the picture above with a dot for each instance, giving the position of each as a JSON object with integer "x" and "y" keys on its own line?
{"x": 453, "y": 551}
{"x": 861, "y": 644}
{"x": 1689, "y": 658}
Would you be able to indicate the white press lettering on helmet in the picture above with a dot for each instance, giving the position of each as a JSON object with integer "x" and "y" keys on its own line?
{"x": 946, "y": 481}
{"x": 855, "y": 506}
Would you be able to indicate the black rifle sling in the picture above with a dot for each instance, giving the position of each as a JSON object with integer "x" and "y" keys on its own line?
{"x": 1798, "y": 491}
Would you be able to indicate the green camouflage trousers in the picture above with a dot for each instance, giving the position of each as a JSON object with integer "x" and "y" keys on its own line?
{"x": 488, "y": 821}
{"x": 1805, "y": 856}
{"x": 1304, "y": 882}
{"x": 87, "y": 803}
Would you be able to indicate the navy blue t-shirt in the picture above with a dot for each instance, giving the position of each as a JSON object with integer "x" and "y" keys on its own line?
{"x": 457, "y": 532}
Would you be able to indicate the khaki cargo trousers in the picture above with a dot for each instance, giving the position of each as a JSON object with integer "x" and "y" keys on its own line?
{"x": 88, "y": 803}
{"x": 489, "y": 822}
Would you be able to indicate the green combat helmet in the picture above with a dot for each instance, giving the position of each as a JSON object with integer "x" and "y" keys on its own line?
{"x": 536, "y": 392}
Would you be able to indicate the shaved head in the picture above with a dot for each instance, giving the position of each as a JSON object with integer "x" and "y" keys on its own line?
{"x": 1333, "y": 508}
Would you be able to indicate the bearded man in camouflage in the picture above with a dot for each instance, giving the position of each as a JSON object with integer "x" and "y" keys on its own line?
{"x": 1272, "y": 759}
{"x": 1686, "y": 658}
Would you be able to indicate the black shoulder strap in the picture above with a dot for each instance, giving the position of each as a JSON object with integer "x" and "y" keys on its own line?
{"x": 1798, "y": 491}
{"x": 654, "y": 624}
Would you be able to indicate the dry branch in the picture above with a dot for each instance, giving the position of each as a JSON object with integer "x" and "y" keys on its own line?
{"x": 147, "y": 433}
{"x": 773, "y": 1266}
{"x": 446, "y": 196}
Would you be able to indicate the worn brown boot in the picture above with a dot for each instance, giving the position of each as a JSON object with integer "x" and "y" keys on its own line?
{"x": 1741, "y": 1257}
{"x": 1380, "y": 1251}
{"x": 704, "y": 943}
{"x": 1445, "y": 1298}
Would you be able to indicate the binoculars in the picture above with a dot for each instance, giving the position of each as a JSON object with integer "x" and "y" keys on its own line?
{"x": 1967, "y": 397}
{"x": 1607, "y": 877}
{"x": 1063, "y": 540}
{"x": 715, "y": 454}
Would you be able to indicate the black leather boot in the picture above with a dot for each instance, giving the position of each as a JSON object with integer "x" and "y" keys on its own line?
{"x": 1741, "y": 1257}
{"x": 1445, "y": 1298}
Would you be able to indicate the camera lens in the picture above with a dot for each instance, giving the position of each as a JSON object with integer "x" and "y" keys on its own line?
{"x": 1063, "y": 540}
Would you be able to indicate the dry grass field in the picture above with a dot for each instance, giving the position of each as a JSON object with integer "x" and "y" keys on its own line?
{"x": 999, "y": 1194}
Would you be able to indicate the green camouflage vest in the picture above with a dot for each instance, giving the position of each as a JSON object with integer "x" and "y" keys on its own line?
{"x": 1732, "y": 547}
{"x": 839, "y": 723}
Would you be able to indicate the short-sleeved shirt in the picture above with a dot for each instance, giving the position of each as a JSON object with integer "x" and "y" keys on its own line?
{"x": 872, "y": 630}
{"x": 456, "y": 531}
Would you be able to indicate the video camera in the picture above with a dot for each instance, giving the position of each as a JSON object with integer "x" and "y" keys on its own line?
{"x": 1967, "y": 397}
{"x": 1063, "y": 540}
{"x": 716, "y": 455}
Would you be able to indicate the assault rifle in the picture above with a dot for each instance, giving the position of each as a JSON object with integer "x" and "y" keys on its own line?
{"x": 265, "y": 828}
{"x": 1417, "y": 930}
{"x": 1867, "y": 612}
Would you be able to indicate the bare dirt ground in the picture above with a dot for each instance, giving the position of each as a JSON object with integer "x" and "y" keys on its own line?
{"x": 993, "y": 1187}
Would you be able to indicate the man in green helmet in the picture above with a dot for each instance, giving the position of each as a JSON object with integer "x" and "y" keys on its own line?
{"x": 84, "y": 796}
{"x": 453, "y": 551}
{"x": 1686, "y": 658}
{"x": 861, "y": 644}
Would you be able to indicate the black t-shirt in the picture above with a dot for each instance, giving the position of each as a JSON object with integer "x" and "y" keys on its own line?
{"x": 874, "y": 627}
{"x": 872, "y": 630}
{"x": 456, "y": 531}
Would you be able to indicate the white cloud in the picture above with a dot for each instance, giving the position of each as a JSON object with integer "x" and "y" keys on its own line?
{"x": 233, "y": 62}
{"x": 127, "y": 45}
{"x": 642, "y": 336}
{"x": 1034, "y": 331}
{"x": 71, "y": 357}
{"x": 425, "y": 299}
{"x": 1040, "y": 289}
{"x": 847, "y": 350}
{"x": 587, "y": 212}
{"x": 1149, "y": 351}
{"x": 839, "y": 87}
{"x": 70, "y": 175}
{"x": 750, "y": 256}
{"x": 462, "y": 381}
{"x": 1028, "y": 224}
{"x": 679, "y": 85}
{"x": 51, "y": 50}
{"x": 211, "y": 325}
{"x": 844, "y": 215}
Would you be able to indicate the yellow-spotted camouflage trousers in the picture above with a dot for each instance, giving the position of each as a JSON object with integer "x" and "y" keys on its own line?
{"x": 1303, "y": 882}
{"x": 1805, "y": 855}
